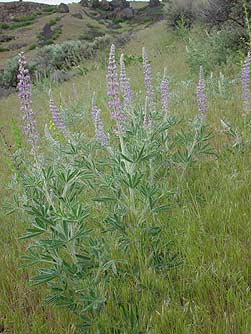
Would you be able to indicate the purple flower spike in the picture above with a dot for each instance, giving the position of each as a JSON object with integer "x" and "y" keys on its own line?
{"x": 57, "y": 120}
{"x": 99, "y": 126}
{"x": 245, "y": 82}
{"x": 164, "y": 90}
{"x": 24, "y": 94}
{"x": 200, "y": 94}
{"x": 147, "y": 74}
{"x": 113, "y": 92}
{"x": 125, "y": 84}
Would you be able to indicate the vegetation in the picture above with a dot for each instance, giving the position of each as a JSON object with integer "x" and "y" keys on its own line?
{"x": 53, "y": 57}
{"x": 3, "y": 49}
{"x": 139, "y": 230}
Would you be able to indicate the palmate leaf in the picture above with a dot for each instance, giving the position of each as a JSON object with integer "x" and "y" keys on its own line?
{"x": 115, "y": 223}
{"x": 48, "y": 173}
{"x": 92, "y": 301}
{"x": 133, "y": 181}
{"x": 164, "y": 126}
{"x": 82, "y": 233}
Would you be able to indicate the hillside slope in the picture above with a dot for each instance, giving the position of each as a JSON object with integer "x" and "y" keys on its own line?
{"x": 21, "y": 25}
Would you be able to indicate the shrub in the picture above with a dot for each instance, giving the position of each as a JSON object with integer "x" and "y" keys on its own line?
{"x": 9, "y": 75}
{"x": 68, "y": 54}
{"x": 49, "y": 9}
{"x": 186, "y": 11}
{"x": 233, "y": 15}
{"x": 27, "y": 17}
{"x": 55, "y": 20}
{"x": 2, "y": 49}
{"x": 32, "y": 46}
{"x": 4, "y": 25}
{"x": 212, "y": 49}
{"x": 18, "y": 25}
{"x": 52, "y": 57}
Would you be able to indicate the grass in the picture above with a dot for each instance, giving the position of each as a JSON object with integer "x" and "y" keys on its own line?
{"x": 210, "y": 292}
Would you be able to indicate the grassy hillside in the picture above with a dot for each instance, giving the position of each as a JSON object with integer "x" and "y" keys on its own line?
{"x": 24, "y": 31}
{"x": 209, "y": 292}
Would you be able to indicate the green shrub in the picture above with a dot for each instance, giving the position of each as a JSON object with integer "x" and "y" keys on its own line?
{"x": 52, "y": 57}
{"x": 49, "y": 41}
{"x": 4, "y": 25}
{"x": 147, "y": 19}
{"x": 56, "y": 33}
{"x": 117, "y": 21}
{"x": 26, "y": 18}
{"x": 20, "y": 25}
{"x": 212, "y": 49}
{"x": 32, "y": 46}
{"x": 9, "y": 76}
{"x": 2, "y": 49}
{"x": 50, "y": 9}
{"x": 55, "y": 20}
{"x": 68, "y": 54}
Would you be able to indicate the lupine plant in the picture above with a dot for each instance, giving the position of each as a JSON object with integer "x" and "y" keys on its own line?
{"x": 24, "y": 94}
{"x": 97, "y": 211}
{"x": 245, "y": 81}
{"x": 239, "y": 134}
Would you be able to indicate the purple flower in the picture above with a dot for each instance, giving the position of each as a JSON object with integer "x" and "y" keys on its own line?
{"x": 245, "y": 82}
{"x": 24, "y": 94}
{"x": 147, "y": 74}
{"x": 113, "y": 92}
{"x": 200, "y": 94}
{"x": 57, "y": 120}
{"x": 164, "y": 90}
{"x": 99, "y": 126}
{"x": 125, "y": 84}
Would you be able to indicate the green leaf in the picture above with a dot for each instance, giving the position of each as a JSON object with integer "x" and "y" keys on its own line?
{"x": 162, "y": 208}
{"x": 104, "y": 199}
{"x": 45, "y": 277}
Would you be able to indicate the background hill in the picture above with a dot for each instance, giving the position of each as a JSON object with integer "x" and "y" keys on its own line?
{"x": 21, "y": 25}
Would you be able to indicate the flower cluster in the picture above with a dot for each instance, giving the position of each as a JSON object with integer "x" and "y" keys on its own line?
{"x": 164, "y": 90}
{"x": 24, "y": 94}
{"x": 147, "y": 74}
{"x": 113, "y": 92}
{"x": 245, "y": 82}
{"x": 57, "y": 120}
{"x": 125, "y": 84}
{"x": 201, "y": 96}
{"x": 99, "y": 126}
